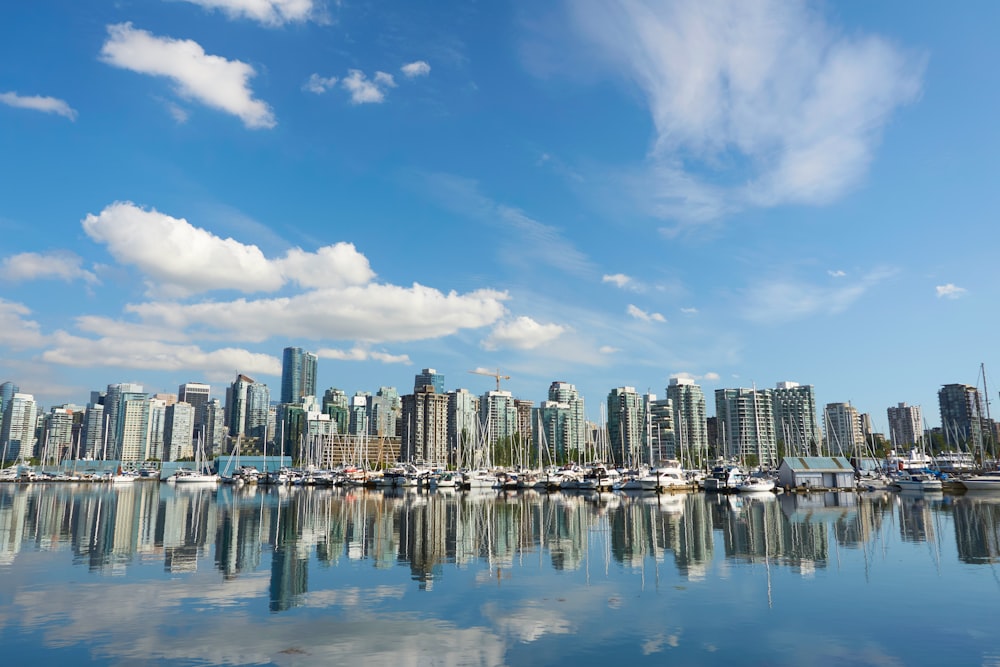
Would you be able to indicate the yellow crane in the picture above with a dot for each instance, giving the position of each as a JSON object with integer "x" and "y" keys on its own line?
{"x": 497, "y": 375}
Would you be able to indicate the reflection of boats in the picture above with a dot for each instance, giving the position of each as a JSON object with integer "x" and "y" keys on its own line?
{"x": 916, "y": 481}
{"x": 987, "y": 481}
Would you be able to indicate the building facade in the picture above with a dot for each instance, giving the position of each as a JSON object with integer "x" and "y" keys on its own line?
{"x": 689, "y": 420}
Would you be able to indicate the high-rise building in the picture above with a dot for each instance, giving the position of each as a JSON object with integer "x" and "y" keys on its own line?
{"x": 689, "y": 419}
{"x": 7, "y": 391}
{"x": 236, "y": 405}
{"x": 962, "y": 416}
{"x": 383, "y": 412}
{"x": 17, "y": 434}
{"x": 844, "y": 430}
{"x": 498, "y": 417}
{"x": 178, "y": 431}
{"x": 424, "y": 427}
{"x": 336, "y": 404}
{"x": 429, "y": 376}
{"x": 626, "y": 426}
{"x": 57, "y": 435}
{"x": 795, "y": 422}
{"x": 358, "y": 415}
{"x": 135, "y": 427}
{"x": 298, "y": 374}
{"x": 574, "y": 438}
{"x": 93, "y": 432}
{"x": 905, "y": 425}
{"x": 463, "y": 408}
{"x": 259, "y": 419}
{"x": 746, "y": 424}
{"x": 114, "y": 406}
{"x": 197, "y": 395}
{"x": 662, "y": 442}
{"x": 216, "y": 431}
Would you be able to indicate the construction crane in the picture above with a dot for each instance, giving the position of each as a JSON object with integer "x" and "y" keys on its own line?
{"x": 497, "y": 376}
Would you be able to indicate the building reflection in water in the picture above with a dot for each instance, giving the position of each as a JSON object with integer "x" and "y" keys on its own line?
{"x": 242, "y": 530}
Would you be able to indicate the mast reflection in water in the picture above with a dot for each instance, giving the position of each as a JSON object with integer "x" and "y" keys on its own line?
{"x": 291, "y": 575}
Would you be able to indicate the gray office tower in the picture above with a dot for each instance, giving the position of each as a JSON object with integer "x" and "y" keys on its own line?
{"x": 298, "y": 375}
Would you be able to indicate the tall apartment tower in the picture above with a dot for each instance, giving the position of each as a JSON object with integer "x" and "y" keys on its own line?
{"x": 795, "y": 421}
{"x": 463, "y": 410}
{"x": 197, "y": 395}
{"x": 905, "y": 425}
{"x": 626, "y": 425}
{"x": 575, "y": 437}
{"x": 429, "y": 376}
{"x": 844, "y": 430}
{"x": 498, "y": 416}
{"x": 298, "y": 374}
{"x": 962, "y": 415}
{"x": 178, "y": 430}
{"x": 689, "y": 418}
{"x": 17, "y": 434}
{"x": 662, "y": 442}
{"x": 7, "y": 391}
{"x": 424, "y": 427}
{"x": 746, "y": 424}
{"x": 114, "y": 407}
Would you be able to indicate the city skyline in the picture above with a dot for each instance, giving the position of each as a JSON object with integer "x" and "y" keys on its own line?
{"x": 605, "y": 194}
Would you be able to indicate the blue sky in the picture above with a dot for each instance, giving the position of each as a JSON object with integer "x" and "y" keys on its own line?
{"x": 603, "y": 193}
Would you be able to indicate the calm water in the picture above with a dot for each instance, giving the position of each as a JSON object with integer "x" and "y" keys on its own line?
{"x": 152, "y": 574}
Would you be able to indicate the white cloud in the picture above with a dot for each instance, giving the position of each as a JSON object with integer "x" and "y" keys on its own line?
{"x": 709, "y": 376}
{"x": 16, "y": 331}
{"x": 415, "y": 69}
{"x": 364, "y": 90}
{"x": 319, "y": 84}
{"x": 608, "y": 349}
{"x": 950, "y": 291}
{"x": 33, "y": 266}
{"x": 836, "y": 273}
{"x": 212, "y": 80}
{"x": 755, "y": 104}
{"x": 372, "y": 313}
{"x": 619, "y": 279}
{"x": 182, "y": 259}
{"x": 178, "y": 257}
{"x": 689, "y": 311}
{"x": 522, "y": 333}
{"x": 38, "y": 103}
{"x": 271, "y": 13}
{"x": 640, "y": 314}
{"x": 363, "y": 354}
{"x": 138, "y": 353}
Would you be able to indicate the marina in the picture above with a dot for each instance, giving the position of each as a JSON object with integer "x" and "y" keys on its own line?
{"x": 290, "y": 575}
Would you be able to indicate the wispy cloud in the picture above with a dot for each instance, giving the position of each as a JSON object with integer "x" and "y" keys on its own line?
{"x": 62, "y": 265}
{"x": 950, "y": 291}
{"x": 640, "y": 314}
{"x": 608, "y": 349}
{"x": 367, "y": 91}
{"x": 415, "y": 69}
{"x": 689, "y": 311}
{"x": 755, "y": 104}
{"x": 16, "y": 330}
{"x": 618, "y": 279}
{"x": 836, "y": 273}
{"x": 38, "y": 103}
{"x": 212, "y": 80}
{"x": 272, "y": 13}
{"x": 783, "y": 300}
{"x": 710, "y": 376}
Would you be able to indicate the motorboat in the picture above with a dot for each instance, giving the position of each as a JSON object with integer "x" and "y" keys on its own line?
{"x": 756, "y": 485}
{"x": 987, "y": 481}
{"x": 914, "y": 480}
{"x": 724, "y": 478}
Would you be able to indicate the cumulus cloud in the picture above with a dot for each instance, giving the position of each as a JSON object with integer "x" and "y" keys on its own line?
{"x": 272, "y": 13}
{"x": 38, "y": 103}
{"x": 684, "y": 375}
{"x": 950, "y": 291}
{"x": 522, "y": 333}
{"x": 415, "y": 69}
{"x": 367, "y": 91}
{"x": 212, "y": 80}
{"x": 181, "y": 259}
{"x": 754, "y": 104}
{"x": 61, "y": 265}
{"x": 640, "y": 314}
{"x": 363, "y": 354}
{"x": 319, "y": 84}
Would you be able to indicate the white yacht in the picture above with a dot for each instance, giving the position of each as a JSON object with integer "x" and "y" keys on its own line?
{"x": 916, "y": 481}
{"x": 987, "y": 481}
